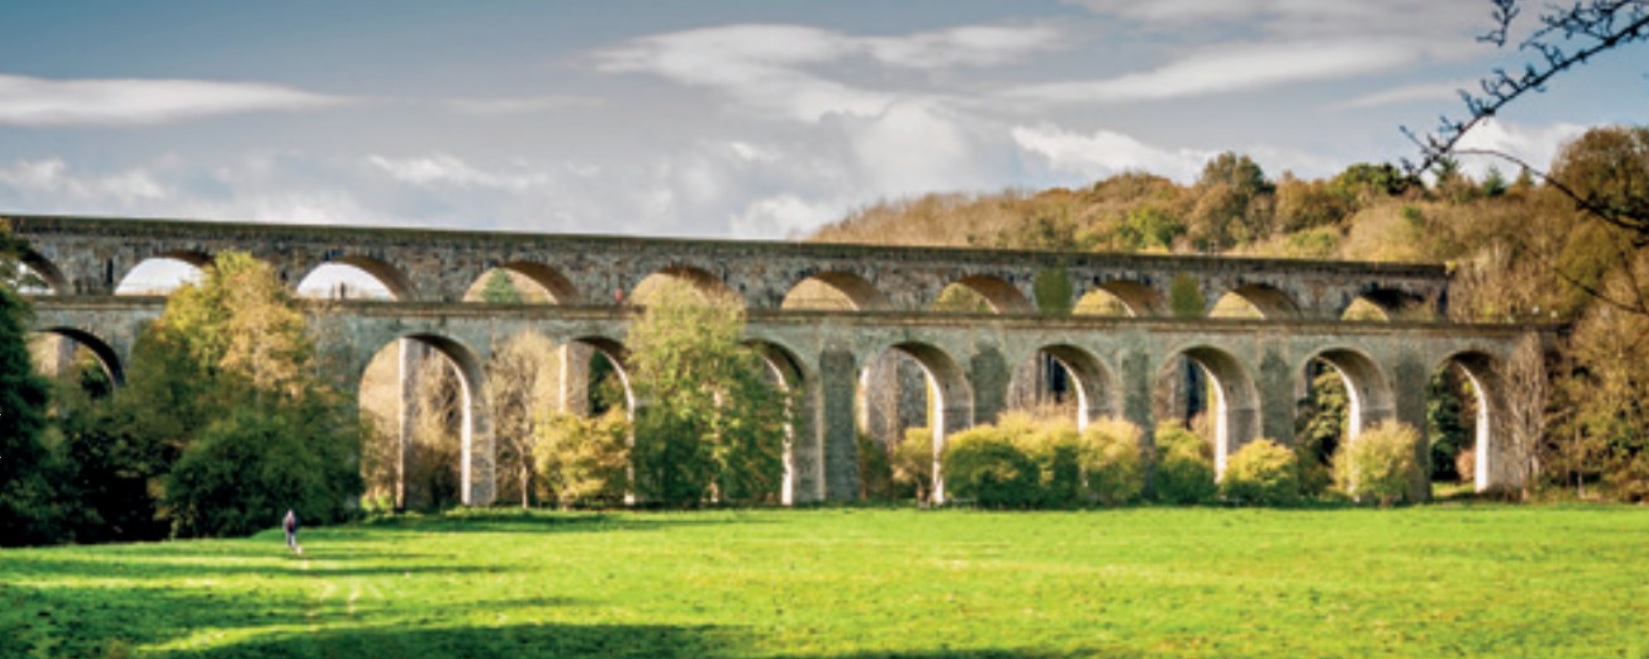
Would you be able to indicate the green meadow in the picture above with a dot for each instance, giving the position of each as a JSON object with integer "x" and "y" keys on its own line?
{"x": 1465, "y": 580}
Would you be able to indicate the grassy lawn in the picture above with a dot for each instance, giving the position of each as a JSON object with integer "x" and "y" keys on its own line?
{"x": 1431, "y": 581}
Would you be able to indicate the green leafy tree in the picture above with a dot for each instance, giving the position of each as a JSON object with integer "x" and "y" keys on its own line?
{"x": 912, "y": 463}
{"x": 1381, "y": 465}
{"x": 983, "y": 465}
{"x": 28, "y": 508}
{"x": 499, "y": 289}
{"x": 256, "y": 428}
{"x": 584, "y": 461}
{"x": 1320, "y": 430}
{"x": 711, "y": 428}
{"x": 1113, "y": 461}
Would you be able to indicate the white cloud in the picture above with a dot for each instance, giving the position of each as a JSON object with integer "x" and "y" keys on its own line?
{"x": 1535, "y": 145}
{"x": 784, "y": 215}
{"x": 1431, "y": 92}
{"x": 51, "y": 178}
{"x": 765, "y": 68}
{"x": 36, "y": 102}
{"x": 1107, "y": 153}
{"x": 519, "y": 105}
{"x": 1231, "y": 69}
{"x": 443, "y": 169}
{"x": 1295, "y": 19}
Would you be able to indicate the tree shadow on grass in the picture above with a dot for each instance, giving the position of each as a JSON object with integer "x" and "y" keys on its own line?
{"x": 650, "y": 641}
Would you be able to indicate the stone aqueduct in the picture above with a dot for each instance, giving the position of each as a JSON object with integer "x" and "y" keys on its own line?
{"x": 1257, "y": 366}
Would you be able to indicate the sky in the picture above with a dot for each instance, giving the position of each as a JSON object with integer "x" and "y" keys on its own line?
{"x": 721, "y": 118}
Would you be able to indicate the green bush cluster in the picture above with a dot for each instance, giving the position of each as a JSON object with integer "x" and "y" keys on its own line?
{"x": 1380, "y": 465}
{"x": 1021, "y": 462}
{"x": 1262, "y": 473}
{"x": 1184, "y": 466}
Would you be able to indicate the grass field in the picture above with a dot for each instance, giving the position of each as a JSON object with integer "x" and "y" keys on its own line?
{"x": 1429, "y": 581}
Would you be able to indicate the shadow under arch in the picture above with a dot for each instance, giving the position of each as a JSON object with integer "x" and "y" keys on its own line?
{"x": 707, "y": 284}
{"x": 556, "y": 285}
{"x": 51, "y": 277}
{"x": 1001, "y": 296}
{"x": 106, "y": 356}
{"x": 582, "y": 347}
{"x": 1370, "y": 397}
{"x": 836, "y": 291}
{"x": 1234, "y": 412}
{"x": 476, "y": 459}
{"x": 1385, "y": 305}
{"x": 1133, "y": 299}
{"x": 1267, "y": 300}
{"x": 1483, "y": 371}
{"x": 1096, "y": 388}
{"x": 947, "y": 381}
{"x": 392, "y": 278}
{"x": 800, "y": 456}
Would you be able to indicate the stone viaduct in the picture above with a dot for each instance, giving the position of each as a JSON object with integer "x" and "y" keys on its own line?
{"x": 1117, "y": 364}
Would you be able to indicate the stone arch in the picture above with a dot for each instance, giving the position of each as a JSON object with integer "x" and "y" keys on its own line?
{"x": 476, "y": 460}
{"x": 50, "y": 275}
{"x": 1371, "y": 398}
{"x": 1384, "y": 304}
{"x": 398, "y": 284}
{"x": 1002, "y": 297}
{"x": 556, "y": 285}
{"x": 199, "y": 261}
{"x": 581, "y": 347}
{"x": 802, "y": 450}
{"x": 105, "y": 354}
{"x": 1271, "y": 302}
{"x": 855, "y": 291}
{"x": 1483, "y": 371}
{"x": 953, "y": 411}
{"x": 1137, "y": 300}
{"x": 1234, "y": 413}
{"x": 1094, "y": 385}
{"x": 703, "y": 281}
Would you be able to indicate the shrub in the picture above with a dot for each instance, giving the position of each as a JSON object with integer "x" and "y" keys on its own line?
{"x": 1185, "y": 466}
{"x": 1262, "y": 473}
{"x": 875, "y": 468}
{"x": 1053, "y": 445}
{"x": 1114, "y": 461}
{"x": 913, "y": 463}
{"x": 246, "y": 469}
{"x": 983, "y": 465}
{"x": 584, "y": 461}
{"x": 1380, "y": 464}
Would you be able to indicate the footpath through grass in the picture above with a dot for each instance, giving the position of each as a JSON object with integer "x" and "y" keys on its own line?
{"x": 1431, "y": 581}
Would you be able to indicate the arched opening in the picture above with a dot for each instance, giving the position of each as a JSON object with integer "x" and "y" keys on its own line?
{"x": 981, "y": 294}
{"x": 355, "y": 278}
{"x": 523, "y": 282}
{"x": 836, "y": 291}
{"x": 801, "y": 458}
{"x": 707, "y": 285}
{"x": 77, "y": 358}
{"x": 38, "y": 276}
{"x": 523, "y": 382}
{"x": 1119, "y": 299}
{"x": 419, "y": 397}
{"x": 1063, "y": 381}
{"x": 1342, "y": 392}
{"x": 1255, "y": 301}
{"x": 160, "y": 275}
{"x": 1210, "y": 391}
{"x": 1460, "y": 400}
{"x": 910, "y": 397}
{"x": 1384, "y": 305}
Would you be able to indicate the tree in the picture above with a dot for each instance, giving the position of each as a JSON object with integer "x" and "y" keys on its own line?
{"x": 27, "y": 509}
{"x": 710, "y": 428}
{"x": 1234, "y": 204}
{"x": 519, "y": 376}
{"x": 1563, "y": 37}
{"x": 256, "y": 427}
{"x": 499, "y": 289}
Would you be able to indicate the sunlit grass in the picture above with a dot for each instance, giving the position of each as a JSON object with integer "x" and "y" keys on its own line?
{"x": 1461, "y": 580}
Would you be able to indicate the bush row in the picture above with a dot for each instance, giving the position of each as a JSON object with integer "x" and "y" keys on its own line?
{"x": 1022, "y": 462}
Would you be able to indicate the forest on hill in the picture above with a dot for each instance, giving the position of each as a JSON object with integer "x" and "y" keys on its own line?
{"x": 1522, "y": 248}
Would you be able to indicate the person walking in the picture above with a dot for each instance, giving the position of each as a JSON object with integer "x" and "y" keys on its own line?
{"x": 291, "y": 526}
